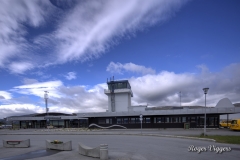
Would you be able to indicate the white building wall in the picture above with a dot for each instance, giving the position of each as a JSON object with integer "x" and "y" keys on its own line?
{"x": 109, "y": 104}
{"x": 139, "y": 108}
{"x": 129, "y": 100}
{"x": 121, "y": 102}
{"x": 136, "y": 108}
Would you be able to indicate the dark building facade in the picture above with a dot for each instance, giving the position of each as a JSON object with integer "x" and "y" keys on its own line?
{"x": 157, "y": 121}
{"x": 56, "y": 120}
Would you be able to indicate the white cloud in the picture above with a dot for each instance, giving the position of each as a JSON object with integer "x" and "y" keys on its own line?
{"x": 19, "y": 109}
{"x": 70, "y": 76}
{"x": 83, "y": 32}
{"x": 20, "y": 67}
{"x": 153, "y": 89}
{"x": 131, "y": 67}
{"x": 5, "y": 95}
{"x": 162, "y": 88}
{"x": 14, "y": 16}
{"x": 62, "y": 98}
{"x": 94, "y": 26}
{"x": 29, "y": 81}
{"x": 38, "y": 89}
{"x": 82, "y": 99}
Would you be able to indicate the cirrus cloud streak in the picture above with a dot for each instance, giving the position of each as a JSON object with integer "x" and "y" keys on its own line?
{"x": 86, "y": 31}
{"x": 119, "y": 68}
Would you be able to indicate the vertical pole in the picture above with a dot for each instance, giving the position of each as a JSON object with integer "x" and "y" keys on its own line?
{"x": 227, "y": 120}
{"x": 180, "y": 98}
{"x": 46, "y": 98}
{"x": 205, "y": 118}
{"x": 141, "y": 121}
{"x": 46, "y": 111}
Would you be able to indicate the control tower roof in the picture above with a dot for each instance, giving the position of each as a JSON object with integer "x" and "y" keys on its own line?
{"x": 119, "y": 84}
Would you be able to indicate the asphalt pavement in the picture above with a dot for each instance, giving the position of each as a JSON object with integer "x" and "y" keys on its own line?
{"x": 134, "y": 144}
{"x": 169, "y": 131}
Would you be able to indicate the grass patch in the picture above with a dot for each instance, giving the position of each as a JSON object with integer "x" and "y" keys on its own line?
{"x": 223, "y": 139}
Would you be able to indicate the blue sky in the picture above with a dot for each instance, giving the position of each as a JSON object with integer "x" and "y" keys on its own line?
{"x": 162, "y": 47}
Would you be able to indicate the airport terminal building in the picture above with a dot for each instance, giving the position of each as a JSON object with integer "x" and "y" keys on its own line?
{"x": 120, "y": 114}
{"x": 40, "y": 120}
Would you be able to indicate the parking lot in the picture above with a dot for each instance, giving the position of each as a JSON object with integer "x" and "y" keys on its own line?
{"x": 175, "y": 131}
{"x": 123, "y": 144}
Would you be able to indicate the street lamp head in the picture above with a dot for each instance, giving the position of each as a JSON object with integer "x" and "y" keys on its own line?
{"x": 46, "y": 95}
{"x": 205, "y": 90}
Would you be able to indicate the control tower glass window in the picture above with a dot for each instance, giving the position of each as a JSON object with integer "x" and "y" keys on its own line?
{"x": 118, "y": 85}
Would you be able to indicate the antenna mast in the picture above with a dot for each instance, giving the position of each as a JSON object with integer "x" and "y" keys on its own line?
{"x": 112, "y": 94}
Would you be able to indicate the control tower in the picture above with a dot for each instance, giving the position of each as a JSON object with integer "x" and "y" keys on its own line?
{"x": 119, "y": 95}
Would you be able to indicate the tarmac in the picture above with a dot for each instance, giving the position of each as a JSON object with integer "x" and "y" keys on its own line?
{"x": 85, "y": 131}
{"x": 38, "y": 152}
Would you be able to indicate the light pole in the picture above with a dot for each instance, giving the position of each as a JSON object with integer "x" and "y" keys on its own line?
{"x": 180, "y": 98}
{"x": 46, "y": 99}
{"x": 141, "y": 121}
{"x": 205, "y": 92}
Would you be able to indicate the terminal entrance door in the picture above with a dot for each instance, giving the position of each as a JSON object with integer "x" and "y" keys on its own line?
{"x": 42, "y": 124}
{"x": 200, "y": 122}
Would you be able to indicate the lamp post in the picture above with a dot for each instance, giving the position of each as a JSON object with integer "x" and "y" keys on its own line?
{"x": 180, "y": 97}
{"x": 205, "y": 92}
{"x": 46, "y": 99}
{"x": 141, "y": 121}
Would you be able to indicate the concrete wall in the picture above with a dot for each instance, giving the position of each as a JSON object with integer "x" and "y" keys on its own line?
{"x": 139, "y": 108}
{"x": 121, "y": 102}
{"x": 16, "y": 144}
{"x": 109, "y": 103}
{"x": 129, "y": 100}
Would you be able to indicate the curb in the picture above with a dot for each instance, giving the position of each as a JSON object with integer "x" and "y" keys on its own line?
{"x": 153, "y": 135}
